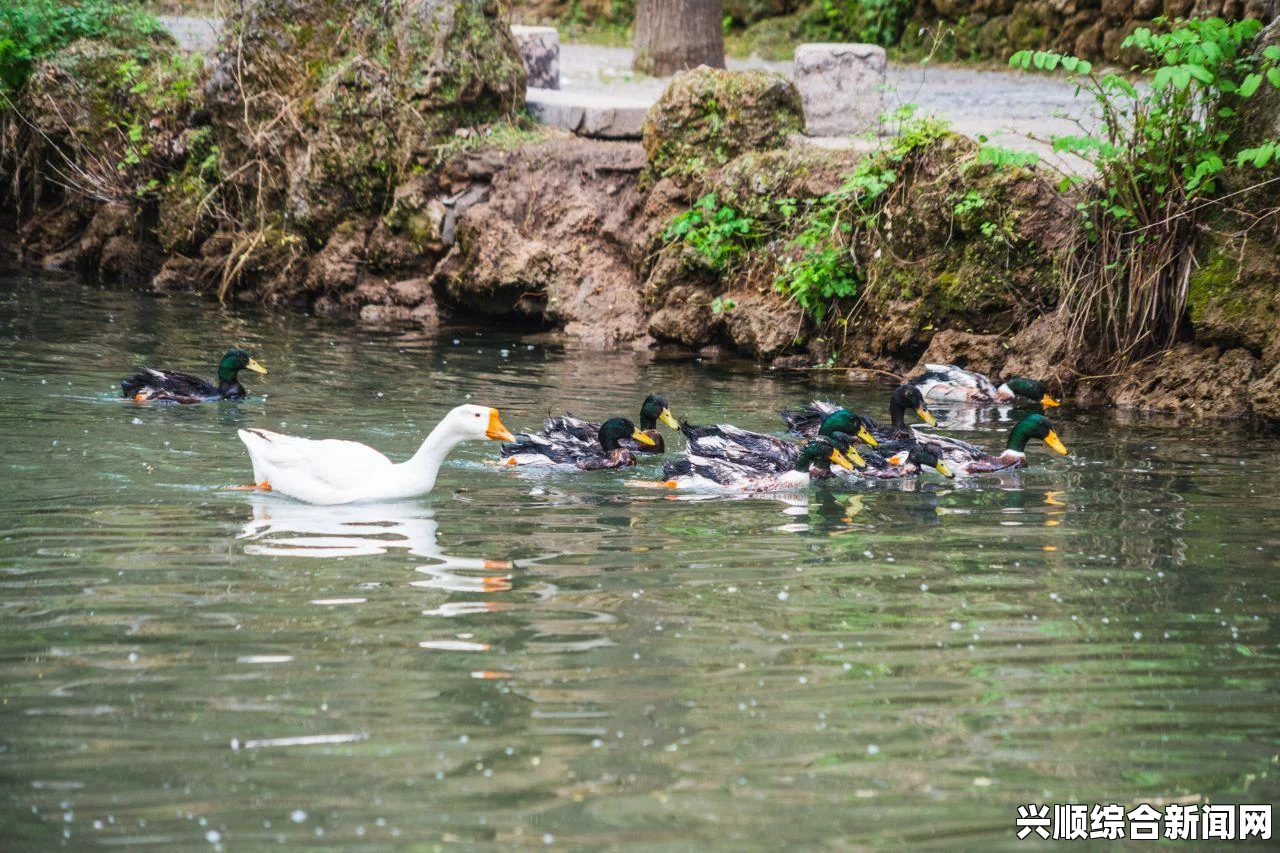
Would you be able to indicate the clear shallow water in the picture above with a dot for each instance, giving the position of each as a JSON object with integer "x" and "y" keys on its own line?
{"x": 522, "y": 660}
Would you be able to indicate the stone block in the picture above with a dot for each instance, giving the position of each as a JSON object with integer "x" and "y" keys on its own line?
{"x": 587, "y": 114}
{"x": 540, "y": 49}
{"x": 842, "y": 86}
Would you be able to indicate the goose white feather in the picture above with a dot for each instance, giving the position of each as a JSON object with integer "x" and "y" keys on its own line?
{"x": 331, "y": 471}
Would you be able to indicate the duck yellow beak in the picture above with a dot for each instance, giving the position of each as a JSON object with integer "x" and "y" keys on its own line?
{"x": 496, "y": 430}
{"x": 866, "y": 438}
{"x": 256, "y": 367}
{"x": 944, "y": 469}
{"x": 839, "y": 458}
{"x": 927, "y": 416}
{"x": 642, "y": 438}
{"x": 669, "y": 419}
{"x": 1048, "y": 401}
{"x": 1056, "y": 443}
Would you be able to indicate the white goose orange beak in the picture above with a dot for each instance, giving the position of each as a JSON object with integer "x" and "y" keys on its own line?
{"x": 496, "y": 430}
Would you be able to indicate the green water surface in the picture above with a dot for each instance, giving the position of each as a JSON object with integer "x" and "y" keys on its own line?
{"x": 561, "y": 659}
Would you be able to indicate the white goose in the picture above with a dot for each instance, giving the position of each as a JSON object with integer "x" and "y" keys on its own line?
{"x": 330, "y": 471}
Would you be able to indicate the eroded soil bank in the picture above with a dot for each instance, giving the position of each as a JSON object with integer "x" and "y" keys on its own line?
{"x": 384, "y": 170}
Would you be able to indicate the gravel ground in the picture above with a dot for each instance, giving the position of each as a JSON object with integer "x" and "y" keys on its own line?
{"x": 1005, "y": 106}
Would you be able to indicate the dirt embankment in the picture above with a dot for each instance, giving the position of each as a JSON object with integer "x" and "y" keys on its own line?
{"x": 407, "y": 189}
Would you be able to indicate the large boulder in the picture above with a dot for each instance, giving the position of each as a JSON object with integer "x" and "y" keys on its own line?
{"x": 960, "y": 246}
{"x": 707, "y": 117}
{"x": 327, "y": 104}
{"x": 555, "y": 241}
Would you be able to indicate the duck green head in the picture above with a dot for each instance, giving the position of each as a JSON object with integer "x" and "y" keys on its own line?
{"x": 615, "y": 429}
{"x": 909, "y": 397}
{"x": 654, "y": 409}
{"x": 820, "y": 453}
{"x": 1031, "y": 389}
{"x": 1034, "y": 426}
{"x": 235, "y": 361}
{"x": 845, "y": 421}
{"x": 922, "y": 457}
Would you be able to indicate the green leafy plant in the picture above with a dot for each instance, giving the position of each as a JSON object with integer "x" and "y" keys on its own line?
{"x": 719, "y": 234}
{"x": 1158, "y": 157}
{"x": 722, "y": 305}
{"x": 821, "y": 266}
{"x": 875, "y": 21}
{"x": 31, "y": 29}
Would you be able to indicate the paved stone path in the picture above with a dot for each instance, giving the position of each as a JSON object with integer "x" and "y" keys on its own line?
{"x": 1004, "y": 106}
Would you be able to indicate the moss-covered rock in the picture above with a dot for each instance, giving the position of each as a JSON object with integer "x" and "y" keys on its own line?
{"x": 331, "y": 103}
{"x": 706, "y": 117}
{"x": 957, "y": 246}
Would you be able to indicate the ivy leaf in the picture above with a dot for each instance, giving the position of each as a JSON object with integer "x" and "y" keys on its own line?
{"x": 1273, "y": 76}
{"x": 1250, "y": 85}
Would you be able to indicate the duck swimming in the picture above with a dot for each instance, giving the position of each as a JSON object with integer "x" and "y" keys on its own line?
{"x": 768, "y": 453}
{"x": 569, "y": 431}
{"x": 951, "y": 382}
{"x": 809, "y": 420}
{"x": 330, "y": 471}
{"x": 167, "y": 386}
{"x": 966, "y": 458}
{"x": 812, "y": 463}
{"x": 563, "y": 447}
{"x": 905, "y": 463}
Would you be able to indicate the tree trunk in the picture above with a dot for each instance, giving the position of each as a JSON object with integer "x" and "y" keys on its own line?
{"x": 672, "y": 35}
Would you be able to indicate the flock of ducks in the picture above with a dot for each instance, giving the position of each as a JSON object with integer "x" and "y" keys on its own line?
{"x": 715, "y": 456}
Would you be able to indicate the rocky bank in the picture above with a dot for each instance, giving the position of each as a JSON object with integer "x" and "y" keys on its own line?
{"x": 378, "y": 165}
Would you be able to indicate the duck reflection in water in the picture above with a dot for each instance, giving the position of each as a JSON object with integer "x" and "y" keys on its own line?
{"x": 289, "y": 529}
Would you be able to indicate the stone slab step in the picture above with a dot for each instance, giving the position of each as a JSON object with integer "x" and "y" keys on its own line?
{"x": 589, "y": 114}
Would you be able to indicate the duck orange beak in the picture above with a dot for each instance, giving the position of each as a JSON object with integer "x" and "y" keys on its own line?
{"x": 1048, "y": 401}
{"x": 927, "y": 416}
{"x": 642, "y": 438}
{"x": 1056, "y": 443}
{"x": 669, "y": 419}
{"x": 496, "y": 430}
{"x": 256, "y": 366}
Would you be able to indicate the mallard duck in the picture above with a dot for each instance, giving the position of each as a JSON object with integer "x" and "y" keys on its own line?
{"x": 810, "y": 420}
{"x": 338, "y": 472}
{"x": 167, "y": 386}
{"x": 966, "y": 458}
{"x": 554, "y": 447}
{"x": 951, "y": 382}
{"x": 569, "y": 432}
{"x": 905, "y": 463}
{"x": 767, "y": 454}
{"x": 812, "y": 463}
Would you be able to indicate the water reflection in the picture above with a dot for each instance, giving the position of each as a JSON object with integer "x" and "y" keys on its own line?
{"x": 285, "y": 528}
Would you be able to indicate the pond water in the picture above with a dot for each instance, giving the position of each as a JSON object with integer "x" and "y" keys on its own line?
{"x": 564, "y": 660}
